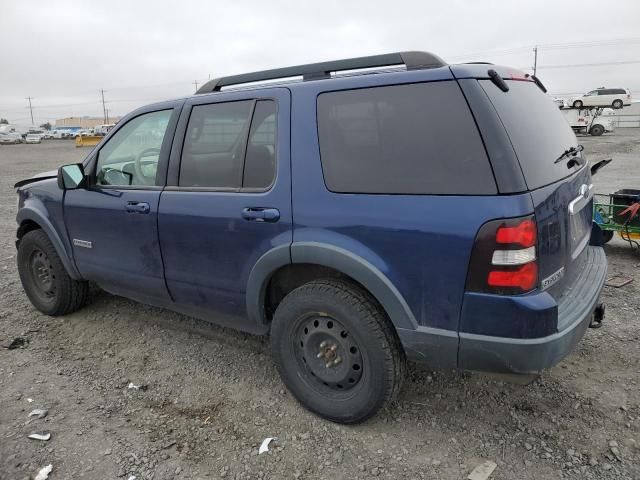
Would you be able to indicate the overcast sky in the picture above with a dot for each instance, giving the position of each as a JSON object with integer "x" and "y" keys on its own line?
{"x": 62, "y": 53}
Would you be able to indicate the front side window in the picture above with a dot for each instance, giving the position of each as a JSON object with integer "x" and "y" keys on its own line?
{"x": 402, "y": 139}
{"x": 130, "y": 157}
{"x": 230, "y": 146}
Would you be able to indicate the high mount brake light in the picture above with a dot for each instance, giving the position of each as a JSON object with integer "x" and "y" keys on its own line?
{"x": 504, "y": 260}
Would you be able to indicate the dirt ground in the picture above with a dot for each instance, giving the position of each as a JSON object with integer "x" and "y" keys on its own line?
{"x": 213, "y": 394}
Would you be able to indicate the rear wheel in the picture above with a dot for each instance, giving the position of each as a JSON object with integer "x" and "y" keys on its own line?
{"x": 44, "y": 278}
{"x": 596, "y": 130}
{"x": 577, "y": 104}
{"x": 617, "y": 104}
{"x": 336, "y": 351}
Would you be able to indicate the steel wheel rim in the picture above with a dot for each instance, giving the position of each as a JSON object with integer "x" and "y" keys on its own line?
{"x": 42, "y": 274}
{"x": 328, "y": 354}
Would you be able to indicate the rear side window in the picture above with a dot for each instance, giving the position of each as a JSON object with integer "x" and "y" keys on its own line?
{"x": 402, "y": 139}
{"x": 537, "y": 130}
{"x": 260, "y": 162}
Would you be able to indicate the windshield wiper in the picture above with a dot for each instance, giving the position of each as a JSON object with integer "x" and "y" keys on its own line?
{"x": 573, "y": 151}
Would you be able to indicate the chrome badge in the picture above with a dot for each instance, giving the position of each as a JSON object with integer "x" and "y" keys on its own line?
{"x": 553, "y": 278}
{"x": 82, "y": 243}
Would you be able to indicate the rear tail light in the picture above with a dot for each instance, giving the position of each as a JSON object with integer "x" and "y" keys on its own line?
{"x": 504, "y": 259}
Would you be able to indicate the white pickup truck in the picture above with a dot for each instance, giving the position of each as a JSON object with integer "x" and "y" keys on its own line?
{"x": 588, "y": 120}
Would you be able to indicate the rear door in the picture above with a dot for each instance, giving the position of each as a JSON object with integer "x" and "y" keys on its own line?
{"x": 228, "y": 199}
{"x": 562, "y": 194}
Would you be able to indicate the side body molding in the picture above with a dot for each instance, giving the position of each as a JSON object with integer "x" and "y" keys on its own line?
{"x": 433, "y": 347}
{"x": 329, "y": 256}
{"x": 363, "y": 272}
{"x": 28, "y": 212}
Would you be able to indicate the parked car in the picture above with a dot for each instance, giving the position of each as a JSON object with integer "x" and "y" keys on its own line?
{"x": 8, "y": 139}
{"x": 343, "y": 215}
{"x": 33, "y": 138}
{"x": 60, "y": 134}
{"x": 603, "y": 97}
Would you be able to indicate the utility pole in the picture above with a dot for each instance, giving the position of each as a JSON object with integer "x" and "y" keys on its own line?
{"x": 30, "y": 109}
{"x": 104, "y": 107}
{"x": 195, "y": 82}
{"x": 107, "y": 115}
{"x": 535, "y": 60}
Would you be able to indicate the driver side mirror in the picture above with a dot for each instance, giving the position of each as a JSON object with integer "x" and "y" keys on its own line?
{"x": 71, "y": 177}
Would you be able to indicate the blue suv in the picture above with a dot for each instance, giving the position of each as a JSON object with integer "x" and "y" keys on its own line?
{"x": 361, "y": 212}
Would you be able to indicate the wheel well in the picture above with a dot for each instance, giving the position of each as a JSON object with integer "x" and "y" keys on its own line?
{"x": 27, "y": 226}
{"x": 288, "y": 278}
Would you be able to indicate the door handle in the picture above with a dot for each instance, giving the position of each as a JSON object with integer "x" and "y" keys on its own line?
{"x": 259, "y": 214}
{"x": 137, "y": 207}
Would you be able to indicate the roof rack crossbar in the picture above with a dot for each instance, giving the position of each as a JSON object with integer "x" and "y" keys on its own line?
{"x": 314, "y": 71}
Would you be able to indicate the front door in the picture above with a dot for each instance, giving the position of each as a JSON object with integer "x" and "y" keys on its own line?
{"x": 227, "y": 200}
{"x": 112, "y": 223}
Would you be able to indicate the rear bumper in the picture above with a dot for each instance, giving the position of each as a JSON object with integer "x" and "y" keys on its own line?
{"x": 438, "y": 348}
{"x": 529, "y": 355}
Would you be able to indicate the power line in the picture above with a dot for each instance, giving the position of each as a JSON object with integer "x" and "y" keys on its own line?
{"x": 580, "y": 65}
{"x": 553, "y": 46}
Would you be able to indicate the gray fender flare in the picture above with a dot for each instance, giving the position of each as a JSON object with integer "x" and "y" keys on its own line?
{"x": 334, "y": 257}
{"x": 28, "y": 213}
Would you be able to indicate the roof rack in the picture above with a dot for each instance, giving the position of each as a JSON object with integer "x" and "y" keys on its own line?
{"x": 315, "y": 71}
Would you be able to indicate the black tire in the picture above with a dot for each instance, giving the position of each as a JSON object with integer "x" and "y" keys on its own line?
{"x": 577, "y": 104}
{"x": 345, "y": 325}
{"x": 44, "y": 278}
{"x": 596, "y": 130}
{"x": 617, "y": 104}
{"x": 607, "y": 235}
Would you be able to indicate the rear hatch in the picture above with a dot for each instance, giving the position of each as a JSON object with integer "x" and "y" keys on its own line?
{"x": 561, "y": 190}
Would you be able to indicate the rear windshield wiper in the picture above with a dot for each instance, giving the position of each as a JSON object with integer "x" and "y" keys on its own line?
{"x": 572, "y": 152}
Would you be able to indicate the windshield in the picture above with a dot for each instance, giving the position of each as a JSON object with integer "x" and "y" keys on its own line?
{"x": 537, "y": 130}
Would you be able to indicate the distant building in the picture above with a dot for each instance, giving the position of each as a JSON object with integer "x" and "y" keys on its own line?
{"x": 83, "y": 122}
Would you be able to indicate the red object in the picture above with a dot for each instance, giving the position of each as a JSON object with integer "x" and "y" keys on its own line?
{"x": 524, "y": 278}
{"x": 632, "y": 210}
{"x": 516, "y": 75}
{"x": 524, "y": 234}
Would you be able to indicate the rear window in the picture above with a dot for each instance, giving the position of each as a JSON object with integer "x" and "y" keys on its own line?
{"x": 537, "y": 130}
{"x": 402, "y": 139}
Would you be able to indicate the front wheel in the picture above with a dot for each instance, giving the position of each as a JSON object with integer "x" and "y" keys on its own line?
{"x": 577, "y": 104}
{"x": 336, "y": 351}
{"x": 596, "y": 130}
{"x": 44, "y": 278}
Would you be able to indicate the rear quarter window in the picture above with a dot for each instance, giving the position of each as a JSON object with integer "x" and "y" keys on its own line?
{"x": 537, "y": 129}
{"x": 402, "y": 139}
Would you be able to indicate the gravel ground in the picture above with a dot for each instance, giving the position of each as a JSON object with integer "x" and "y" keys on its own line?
{"x": 212, "y": 395}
